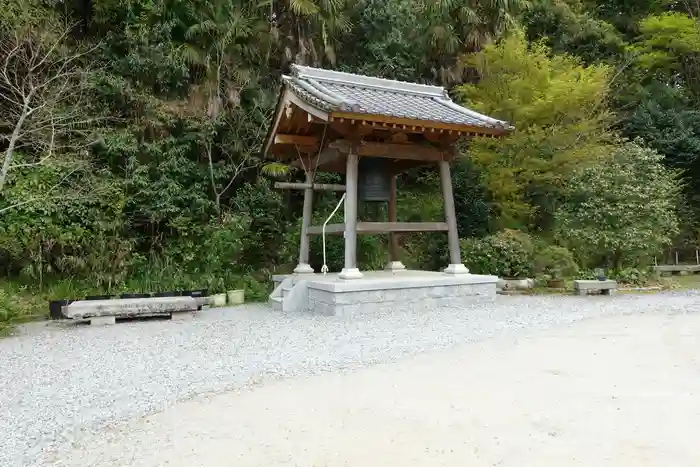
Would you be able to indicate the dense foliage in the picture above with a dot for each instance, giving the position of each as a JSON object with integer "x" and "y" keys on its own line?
{"x": 131, "y": 131}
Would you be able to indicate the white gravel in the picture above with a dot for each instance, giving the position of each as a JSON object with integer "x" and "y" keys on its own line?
{"x": 57, "y": 384}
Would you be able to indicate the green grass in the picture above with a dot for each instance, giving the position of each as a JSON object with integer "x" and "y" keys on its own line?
{"x": 21, "y": 303}
{"x": 690, "y": 282}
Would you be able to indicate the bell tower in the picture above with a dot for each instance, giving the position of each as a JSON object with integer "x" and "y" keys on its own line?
{"x": 370, "y": 129}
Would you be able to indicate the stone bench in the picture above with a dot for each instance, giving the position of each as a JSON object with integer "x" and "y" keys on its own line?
{"x": 107, "y": 311}
{"x": 605, "y": 287}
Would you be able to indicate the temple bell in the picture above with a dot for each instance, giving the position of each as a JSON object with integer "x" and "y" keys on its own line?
{"x": 374, "y": 179}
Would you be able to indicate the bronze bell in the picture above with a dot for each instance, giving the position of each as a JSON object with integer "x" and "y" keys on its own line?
{"x": 374, "y": 179}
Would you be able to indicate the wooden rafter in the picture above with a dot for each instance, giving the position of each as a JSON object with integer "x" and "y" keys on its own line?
{"x": 299, "y": 140}
{"x": 418, "y": 126}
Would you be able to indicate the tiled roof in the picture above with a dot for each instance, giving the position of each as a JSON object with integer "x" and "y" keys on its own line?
{"x": 345, "y": 92}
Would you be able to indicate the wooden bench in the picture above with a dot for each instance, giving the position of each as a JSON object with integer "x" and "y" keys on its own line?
{"x": 582, "y": 287}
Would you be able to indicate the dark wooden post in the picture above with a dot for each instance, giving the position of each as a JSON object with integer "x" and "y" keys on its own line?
{"x": 350, "y": 271}
{"x": 304, "y": 267}
{"x": 395, "y": 263}
{"x": 455, "y": 266}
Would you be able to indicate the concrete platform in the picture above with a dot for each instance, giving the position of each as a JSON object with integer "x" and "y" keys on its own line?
{"x": 408, "y": 290}
{"x": 102, "y": 312}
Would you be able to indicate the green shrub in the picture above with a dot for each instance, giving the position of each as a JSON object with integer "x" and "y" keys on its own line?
{"x": 633, "y": 276}
{"x": 556, "y": 262}
{"x": 508, "y": 253}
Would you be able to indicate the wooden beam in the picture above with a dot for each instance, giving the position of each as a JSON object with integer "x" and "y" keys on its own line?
{"x": 386, "y": 120}
{"x": 330, "y": 229}
{"x": 388, "y": 227}
{"x": 393, "y": 238}
{"x": 300, "y": 140}
{"x": 450, "y": 216}
{"x": 327, "y": 156}
{"x": 304, "y": 247}
{"x": 313, "y": 186}
{"x": 383, "y": 227}
{"x": 414, "y": 152}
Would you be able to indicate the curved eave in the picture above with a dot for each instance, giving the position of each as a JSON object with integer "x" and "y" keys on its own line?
{"x": 287, "y": 97}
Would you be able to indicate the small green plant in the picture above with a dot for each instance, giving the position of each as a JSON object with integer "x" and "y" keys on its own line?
{"x": 18, "y": 305}
{"x": 509, "y": 253}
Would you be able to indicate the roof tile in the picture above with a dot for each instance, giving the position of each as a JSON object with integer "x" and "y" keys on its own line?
{"x": 376, "y": 96}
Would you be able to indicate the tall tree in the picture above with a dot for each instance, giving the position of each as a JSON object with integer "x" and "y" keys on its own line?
{"x": 558, "y": 108}
{"x": 621, "y": 209}
{"x": 669, "y": 48}
{"x": 42, "y": 97}
{"x": 569, "y": 28}
{"x": 307, "y": 30}
{"x": 463, "y": 26}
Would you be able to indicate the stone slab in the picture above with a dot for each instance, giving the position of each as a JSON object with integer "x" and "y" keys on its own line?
{"x": 594, "y": 285}
{"x": 677, "y": 268}
{"x": 129, "y": 307}
{"x": 582, "y": 287}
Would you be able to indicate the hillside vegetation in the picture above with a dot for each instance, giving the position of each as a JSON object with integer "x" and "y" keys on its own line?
{"x": 132, "y": 129}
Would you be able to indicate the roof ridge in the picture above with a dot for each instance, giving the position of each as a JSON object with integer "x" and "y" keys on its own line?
{"x": 352, "y": 79}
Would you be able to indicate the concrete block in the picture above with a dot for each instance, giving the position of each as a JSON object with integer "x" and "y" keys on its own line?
{"x": 516, "y": 284}
{"x": 182, "y": 316}
{"x": 582, "y": 287}
{"x": 102, "y": 320}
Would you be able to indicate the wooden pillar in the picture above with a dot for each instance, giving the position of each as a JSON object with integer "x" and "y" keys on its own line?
{"x": 304, "y": 267}
{"x": 395, "y": 263}
{"x": 455, "y": 266}
{"x": 350, "y": 271}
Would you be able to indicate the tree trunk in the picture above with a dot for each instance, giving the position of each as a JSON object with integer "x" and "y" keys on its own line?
{"x": 11, "y": 146}
{"x": 217, "y": 195}
{"x": 617, "y": 261}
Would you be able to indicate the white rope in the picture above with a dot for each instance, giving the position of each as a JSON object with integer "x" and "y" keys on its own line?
{"x": 324, "y": 268}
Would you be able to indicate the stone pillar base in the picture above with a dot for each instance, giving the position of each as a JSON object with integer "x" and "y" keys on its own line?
{"x": 456, "y": 269}
{"x": 353, "y": 273}
{"x": 395, "y": 266}
{"x": 303, "y": 268}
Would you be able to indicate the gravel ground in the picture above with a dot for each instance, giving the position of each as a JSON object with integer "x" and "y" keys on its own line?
{"x": 59, "y": 383}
